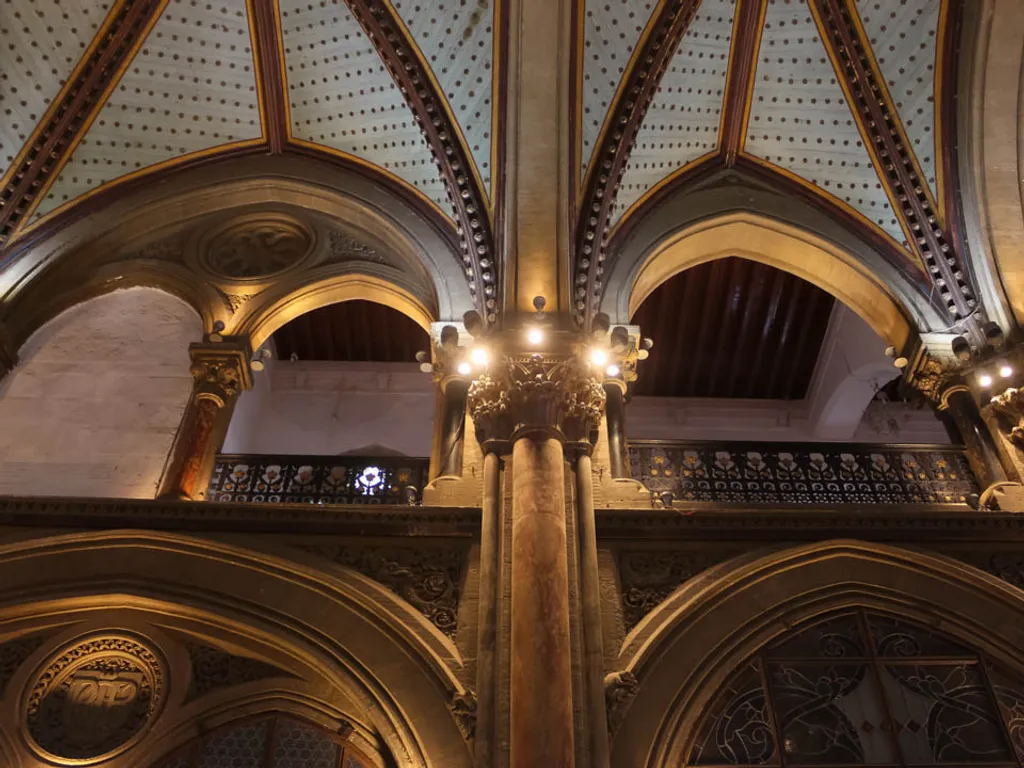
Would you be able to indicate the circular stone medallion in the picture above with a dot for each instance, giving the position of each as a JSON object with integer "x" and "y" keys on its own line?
{"x": 94, "y": 699}
{"x": 255, "y": 247}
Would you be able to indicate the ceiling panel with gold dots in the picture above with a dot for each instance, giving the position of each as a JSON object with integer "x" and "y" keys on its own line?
{"x": 456, "y": 39}
{"x": 611, "y": 30}
{"x": 683, "y": 120}
{"x": 42, "y": 41}
{"x": 800, "y": 120}
{"x": 342, "y": 96}
{"x": 190, "y": 87}
{"x": 903, "y": 37}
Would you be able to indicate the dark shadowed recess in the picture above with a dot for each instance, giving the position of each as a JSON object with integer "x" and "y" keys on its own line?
{"x": 352, "y": 331}
{"x": 732, "y": 328}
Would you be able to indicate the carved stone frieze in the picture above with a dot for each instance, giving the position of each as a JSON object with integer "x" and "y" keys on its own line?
{"x": 213, "y": 669}
{"x": 165, "y": 249}
{"x": 1007, "y": 566}
{"x": 94, "y": 699}
{"x": 428, "y": 578}
{"x": 554, "y": 395}
{"x": 343, "y": 247}
{"x": 255, "y": 246}
{"x": 648, "y": 578}
{"x": 463, "y": 709}
{"x": 619, "y": 691}
{"x": 13, "y": 654}
{"x": 235, "y": 301}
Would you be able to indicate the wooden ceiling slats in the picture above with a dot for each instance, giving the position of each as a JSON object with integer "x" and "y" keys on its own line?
{"x": 352, "y": 331}
{"x": 732, "y": 328}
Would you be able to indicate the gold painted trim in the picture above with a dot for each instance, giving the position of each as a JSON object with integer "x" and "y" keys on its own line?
{"x": 33, "y": 138}
{"x": 257, "y": 69}
{"x": 375, "y": 169}
{"x": 880, "y": 78}
{"x": 661, "y": 184}
{"x": 581, "y": 43}
{"x": 425, "y": 67}
{"x": 751, "y": 82}
{"x": 829, "y": 199}
{"x": 634, "y": 57}
{"x": 31, "y": 226}
{"x": 90, "y": 119}
{"x": 865, "y": 137}
{"x": 496, "y": 52}
{"x": 791, "y": 249}
{"x": 938, "y": 90}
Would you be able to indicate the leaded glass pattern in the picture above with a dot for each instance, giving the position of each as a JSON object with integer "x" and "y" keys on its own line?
{"x": 859, "y": 688}
{"x": 268, "y": 741}
{"x": 299, "y": 746}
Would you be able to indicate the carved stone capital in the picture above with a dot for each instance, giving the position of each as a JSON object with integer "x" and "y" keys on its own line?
{"x": 220, "y": 371}
{"x": 1008, "y": 408}
{"x": 932, "y": 376}
{"x": 556, "y": 396}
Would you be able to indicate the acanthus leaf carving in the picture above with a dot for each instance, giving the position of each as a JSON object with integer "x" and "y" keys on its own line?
{"x": 213, "y": 668}
{"x": 343, "y": 247}
{"x": 428, "y": 578}
{"x": 620, "y": 689}
{"x": 1008, "y": 406}
{"x": 463, "y": 709}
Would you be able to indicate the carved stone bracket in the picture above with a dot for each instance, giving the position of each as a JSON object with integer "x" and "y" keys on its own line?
{"x": 1009, "y": 410}
{"x": 619, "y": 691}
{"x": 463, "y": 709}
{"x": 537, "y": 394}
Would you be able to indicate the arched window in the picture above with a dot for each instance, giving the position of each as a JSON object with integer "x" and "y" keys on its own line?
{"x": 861, "y": 688}
{"x": 267, "y": 742}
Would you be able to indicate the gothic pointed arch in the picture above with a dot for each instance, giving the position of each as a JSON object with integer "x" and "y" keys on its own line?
{"x": 233, "y": 633}
{"x": 697, "y": 641}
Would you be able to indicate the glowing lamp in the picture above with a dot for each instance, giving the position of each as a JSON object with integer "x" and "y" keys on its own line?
{"x": 985, "y": 380}
{"x": 464, "y": 369}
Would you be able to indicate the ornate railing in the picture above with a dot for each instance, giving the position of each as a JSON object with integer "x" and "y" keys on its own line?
{"x": 318, "y": 479}
{"x": 802, "y": 473}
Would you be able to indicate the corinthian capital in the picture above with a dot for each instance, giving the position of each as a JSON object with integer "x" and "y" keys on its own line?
{"x": 556, "y": 395}
{"x": 220, "y": 370}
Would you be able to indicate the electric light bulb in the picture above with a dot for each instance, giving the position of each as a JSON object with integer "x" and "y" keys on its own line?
{"x": 535, "y": 336}
{"x": 1006, "y": 371}
{"x": 985, "y": 380}
{"x": 464, "y": 369}
{"x": 479, "y": 356}
{"x": 598, "y": 356}
{"x": 612, "y": 370}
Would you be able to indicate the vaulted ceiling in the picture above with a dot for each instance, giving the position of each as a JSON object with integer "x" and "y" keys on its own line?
{"x": 840, "y": 101}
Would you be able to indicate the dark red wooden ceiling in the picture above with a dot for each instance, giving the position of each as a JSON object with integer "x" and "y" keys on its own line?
{"x": 732, "y": 328}
{"x": 352, "y": 331}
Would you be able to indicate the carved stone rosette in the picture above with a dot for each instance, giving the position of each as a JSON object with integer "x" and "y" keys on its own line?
{"x": 94, "y": 699}
{"x": 536, "y": 395}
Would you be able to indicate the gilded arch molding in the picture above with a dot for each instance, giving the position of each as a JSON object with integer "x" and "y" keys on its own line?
{"x": 684, "y": 650}
{"x": 322, "y": 626}
{"x": 780, "y": 245}
{"x": 132, "y": 242}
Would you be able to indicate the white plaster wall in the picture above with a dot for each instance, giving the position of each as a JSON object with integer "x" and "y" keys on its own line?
{"x": 94, "y": 404}
{"x": 324, "y": 409}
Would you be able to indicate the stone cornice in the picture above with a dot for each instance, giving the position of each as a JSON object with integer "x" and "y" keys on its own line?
{"x": 353, "y": 520}
{"x": 717, "y": 522}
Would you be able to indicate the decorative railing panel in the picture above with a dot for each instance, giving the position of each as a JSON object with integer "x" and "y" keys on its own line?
{"x": 803, "y": 473}
{"x": 318, "y": 479}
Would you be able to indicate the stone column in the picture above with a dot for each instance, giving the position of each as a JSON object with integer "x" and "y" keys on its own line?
{"x": 615, "y": 415}
{"x": 982, "y": 453}
{"x": 486, "y": 680}
{"x": 590, "y": 589}
{"x": 537, "y": 403}
{"x": 220, "y": 372}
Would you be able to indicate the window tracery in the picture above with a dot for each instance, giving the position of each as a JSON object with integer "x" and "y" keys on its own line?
{"x": 863, "y": 688}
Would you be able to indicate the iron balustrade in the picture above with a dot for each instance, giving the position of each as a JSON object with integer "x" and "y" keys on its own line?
{"x": 803, "y": 473}
{"x": 318, "y": 479}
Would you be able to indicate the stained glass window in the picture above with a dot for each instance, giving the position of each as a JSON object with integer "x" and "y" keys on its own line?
{"x": 859, "y": 688}
{"x": 268, "y": 742}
